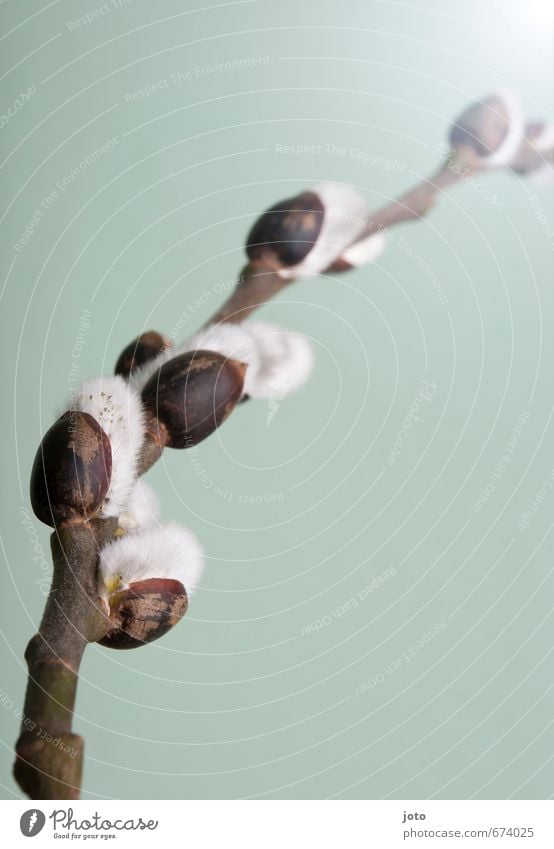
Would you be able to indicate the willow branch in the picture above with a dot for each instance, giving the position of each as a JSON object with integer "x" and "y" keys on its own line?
{"x": 255, "y": 286}
{"x": 259, "y": 281}
{"x": 49, "y": 756}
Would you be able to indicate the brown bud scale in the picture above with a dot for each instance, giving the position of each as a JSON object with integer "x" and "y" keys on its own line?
{"x": 287, "y": 232}
{"x": 142, "y": 349}
{"x": 144, "y": 612}
{"x": 190, "y": 396}
{"x": 71, "y": 471}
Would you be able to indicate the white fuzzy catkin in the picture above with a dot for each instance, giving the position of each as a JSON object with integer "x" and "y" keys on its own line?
{"x": 230, "y": 340}
{"x": 139, "y": 377}
{"x": 507, "y": 149}
{"x": 142, "y": 509}
{"x": 544, "y": 142}
{"x": 366, "y": 250}
{"x": 344, "y": 217}
{"x": 234, "y": 341}
{"x": 286, "y": 361}
{"x": 118, "y": 410}
{"x": 163, "y": 551}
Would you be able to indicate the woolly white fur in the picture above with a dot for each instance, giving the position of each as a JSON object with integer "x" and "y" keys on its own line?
{"x": 366, "y": 250}
{"x": 118, "y": 410}
{"x": 164, "y": 551}
{"x": 345, "y": 214}
{"x": 142, "y": 509}
{"x": 231, "y": 340}
{"x": 509, "y": 147}
{"x": 286, "y": 361}
{"x": 544, "y": 142}
{"x": 139, "y": 377}
{"x": 545, "y": 139}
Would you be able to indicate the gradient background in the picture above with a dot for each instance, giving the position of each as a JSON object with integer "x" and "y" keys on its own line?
{"x": 236, "y": 702}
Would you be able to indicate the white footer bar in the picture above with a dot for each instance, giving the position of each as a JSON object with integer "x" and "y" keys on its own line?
{"x": 281, "y": 824}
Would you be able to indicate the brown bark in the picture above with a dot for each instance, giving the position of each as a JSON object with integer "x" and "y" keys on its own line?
{"x": 49, "y": 757}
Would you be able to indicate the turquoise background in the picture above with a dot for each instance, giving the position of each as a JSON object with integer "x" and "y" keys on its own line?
{"x": 248, "y": 697}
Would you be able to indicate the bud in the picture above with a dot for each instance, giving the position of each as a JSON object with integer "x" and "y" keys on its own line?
{"x": 190, "y": 396}
{"x": 72, "y": 470}
{"x": 304, "y": 236}
{"x": 492, "y": 128}
{"x": 286, "y": 232}
{"x": 117, "y": 407}
{"x": 231, "y": 340}
{"x": 145, "y": 347}
{"x": 145, "y": 580}
{"x": 144, "y": 612}
{"x": 535, "y": 157}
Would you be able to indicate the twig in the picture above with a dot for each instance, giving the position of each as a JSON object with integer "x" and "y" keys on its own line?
{"x": 259, "y": 282}
{"x": 49, "y": 757}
